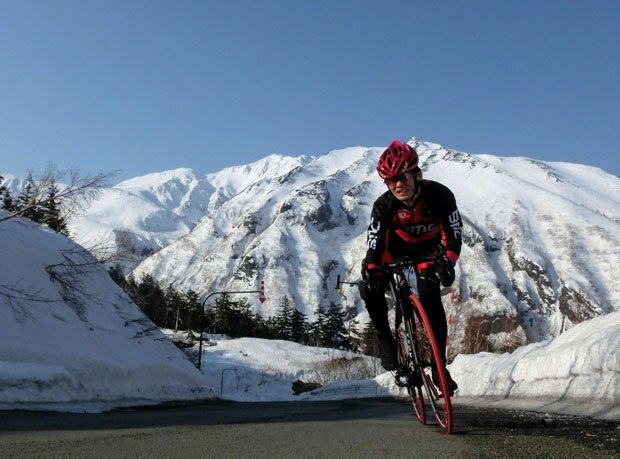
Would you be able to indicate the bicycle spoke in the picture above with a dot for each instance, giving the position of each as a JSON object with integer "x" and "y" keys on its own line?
{"x": 407, "y": 368}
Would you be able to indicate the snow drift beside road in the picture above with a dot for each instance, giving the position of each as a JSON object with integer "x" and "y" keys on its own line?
{"x": 71, "y": 339}
{"x": 576, "y": 373}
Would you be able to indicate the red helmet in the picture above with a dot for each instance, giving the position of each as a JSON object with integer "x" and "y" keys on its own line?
{"x": 397, "y": 159}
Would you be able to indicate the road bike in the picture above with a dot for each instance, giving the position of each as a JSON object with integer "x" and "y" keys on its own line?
{"x": 419, "y": 359}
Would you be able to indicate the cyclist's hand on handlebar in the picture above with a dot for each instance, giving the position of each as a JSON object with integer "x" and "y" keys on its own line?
{"x": 445, "y": 270}
{"x": 371, "y": 277}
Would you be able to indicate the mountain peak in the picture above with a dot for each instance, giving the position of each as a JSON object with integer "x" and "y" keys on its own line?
{"x": 541, "y": 239}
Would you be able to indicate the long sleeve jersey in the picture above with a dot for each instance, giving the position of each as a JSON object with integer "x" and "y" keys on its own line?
{"x": 415, "y": 232}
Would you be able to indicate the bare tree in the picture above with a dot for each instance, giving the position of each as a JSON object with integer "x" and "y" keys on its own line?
{"x": 76, "y": 192}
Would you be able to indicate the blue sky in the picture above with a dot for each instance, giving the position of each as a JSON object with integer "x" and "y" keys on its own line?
{"x": 148, "y": 85}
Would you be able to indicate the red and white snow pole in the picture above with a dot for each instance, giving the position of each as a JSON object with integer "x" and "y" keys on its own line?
{"x": 262, "y": 297}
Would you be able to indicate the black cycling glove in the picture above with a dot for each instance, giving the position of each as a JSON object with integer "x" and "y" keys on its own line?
{"x": 371, "y": 278}
{"x": 444, "y": 268}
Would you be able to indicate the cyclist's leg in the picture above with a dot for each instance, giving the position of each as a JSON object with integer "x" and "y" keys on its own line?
{"x": 377, "y": 308}
{"x": 375, "y": 302}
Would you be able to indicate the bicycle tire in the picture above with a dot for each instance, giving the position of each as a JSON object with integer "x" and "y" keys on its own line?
{"x": 405, "y": 360}
{"x": 440, "y": 402}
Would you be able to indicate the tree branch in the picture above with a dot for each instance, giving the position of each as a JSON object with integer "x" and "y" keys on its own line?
{"x": 77, "y": 193}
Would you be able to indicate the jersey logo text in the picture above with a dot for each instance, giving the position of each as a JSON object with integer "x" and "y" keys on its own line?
{"x": 455, "y": 223}
{"x": 373, "y": 230}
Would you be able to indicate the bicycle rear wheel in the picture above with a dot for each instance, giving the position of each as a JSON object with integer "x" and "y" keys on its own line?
{"x": 406, "y": 366}
{"x": 430, "y": 358}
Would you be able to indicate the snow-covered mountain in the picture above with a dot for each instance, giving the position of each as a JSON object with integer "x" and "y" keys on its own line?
{"x": 541, "y": 239}
{"x": 148, "y": 213}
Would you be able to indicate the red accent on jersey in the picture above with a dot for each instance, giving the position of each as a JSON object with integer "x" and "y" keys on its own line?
{"x": 403, "y": 216}
{"x": 422, "y": 266}
{"x": 417, "y": 239}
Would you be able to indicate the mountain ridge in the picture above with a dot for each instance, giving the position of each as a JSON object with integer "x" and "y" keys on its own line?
{"x": 540, "y": 238}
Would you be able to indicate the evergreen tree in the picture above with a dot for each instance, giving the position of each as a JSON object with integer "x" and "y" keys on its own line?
{"x": 262, "y": 328}
{"x": 300, "y": 328}
{"x": 208, "y": 321}
{"x": 353, "y": 338}
{"x": 6, "y": 201}
{"x": 317, "y": 329}
{"x": 284, "y": 320}
{"x": 223, "y": 315}
{"x": 51, "y": 213}
{"x": 193, "y": 311}
{"x": 244, "y": 323}
{"x": 176, "y": 309}
{"x": 26, "y": 201}
{"x": 151, "y": 299}
{"x": 370, "y": 341}
{"x": 233, "y": 318}
{"x": 271, "y": 327}
{"x": 335, "y": 331}
{"x": 131, "y": 287}
{"x": 258, "y": 326}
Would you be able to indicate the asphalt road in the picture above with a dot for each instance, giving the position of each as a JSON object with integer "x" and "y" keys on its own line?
{"x": 338, "y": 429}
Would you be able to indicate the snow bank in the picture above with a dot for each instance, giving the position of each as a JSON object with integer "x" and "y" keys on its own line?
{"x": 85, "y": 348}
{"x": 576, "y": 373}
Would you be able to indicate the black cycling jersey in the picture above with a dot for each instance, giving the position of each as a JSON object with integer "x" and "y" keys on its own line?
{"x": 397, "y": 230}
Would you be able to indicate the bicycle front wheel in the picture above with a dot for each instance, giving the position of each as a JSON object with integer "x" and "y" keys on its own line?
{"x": 407, "y": 367}
{"x": 432, "y": 361}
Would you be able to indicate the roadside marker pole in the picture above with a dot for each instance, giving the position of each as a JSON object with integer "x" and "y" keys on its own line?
{"x": 261, "y": 298}
{"x": 262, "y": 292}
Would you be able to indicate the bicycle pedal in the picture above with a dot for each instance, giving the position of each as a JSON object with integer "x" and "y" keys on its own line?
{"x": 400, "y": 378}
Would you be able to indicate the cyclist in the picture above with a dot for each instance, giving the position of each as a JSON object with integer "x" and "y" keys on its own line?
{"x": 410, "y": 219}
